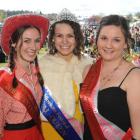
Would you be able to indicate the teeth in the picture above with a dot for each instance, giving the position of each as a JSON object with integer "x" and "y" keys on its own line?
{"x": 31, "y": 53}
{"x": 65, "y": 47}
{"x": 108, "y": 51}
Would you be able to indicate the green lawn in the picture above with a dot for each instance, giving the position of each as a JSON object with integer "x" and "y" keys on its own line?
{"x": 2, "y": 64}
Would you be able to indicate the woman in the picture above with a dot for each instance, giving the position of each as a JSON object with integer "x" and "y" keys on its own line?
{"x": 111, "y": 87}
{"x": 20, "y": 84}
{"x": 63, "y": 67}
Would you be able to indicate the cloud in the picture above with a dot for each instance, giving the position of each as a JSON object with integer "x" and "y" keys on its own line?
{"x": 78, "y": 7}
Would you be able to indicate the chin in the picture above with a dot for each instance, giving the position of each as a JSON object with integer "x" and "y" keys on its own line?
{"x": 30, "y": 60}
{"x": 107, "y": 58}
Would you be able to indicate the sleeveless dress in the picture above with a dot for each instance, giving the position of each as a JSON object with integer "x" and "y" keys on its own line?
{"x": 111, "y": 102}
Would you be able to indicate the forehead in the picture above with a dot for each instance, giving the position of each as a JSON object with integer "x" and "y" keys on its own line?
{"x": 111, "y": 30}
{"x": 63, "y": 27}
{"x": 31, "y": 32}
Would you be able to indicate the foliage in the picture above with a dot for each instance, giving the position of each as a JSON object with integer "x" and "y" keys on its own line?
{"x": 137, "y": 15}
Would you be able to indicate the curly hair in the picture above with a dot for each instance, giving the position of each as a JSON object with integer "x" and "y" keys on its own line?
{"x": 78, "y": 37}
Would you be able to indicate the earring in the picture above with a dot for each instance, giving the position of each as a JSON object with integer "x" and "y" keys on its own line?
{"x": 13, "y": 45}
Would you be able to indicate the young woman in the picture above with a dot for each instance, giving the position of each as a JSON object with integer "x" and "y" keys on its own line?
{"x": 111, "y": 87}
{"x": 20, "y": 83}
{"x": 62, "y": 70}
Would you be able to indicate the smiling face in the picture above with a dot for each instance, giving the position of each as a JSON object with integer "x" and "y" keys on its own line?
{"x": 64, "y": 40}
{"x": 111, "y": 42}
{"x": 28, "y": 46}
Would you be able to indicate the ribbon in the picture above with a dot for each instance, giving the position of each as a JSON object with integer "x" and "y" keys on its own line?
{"x": 89, "y": 86}
{"x": 20, "y": 93}
{"x": 56, "y": 118}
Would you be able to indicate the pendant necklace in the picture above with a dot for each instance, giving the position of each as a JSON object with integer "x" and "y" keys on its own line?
{"x": 109, "y": 76}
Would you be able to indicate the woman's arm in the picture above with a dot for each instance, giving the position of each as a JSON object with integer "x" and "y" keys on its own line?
{"x": 133, "y": 98}
{"x": 1, "y": 117}
{"x": 5, "y": 106}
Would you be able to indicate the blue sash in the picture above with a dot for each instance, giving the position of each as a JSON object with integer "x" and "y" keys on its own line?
{"x": 56, "y": 118}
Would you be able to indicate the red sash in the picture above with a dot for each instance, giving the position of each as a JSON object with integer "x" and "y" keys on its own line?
{"x": 20, "y": 93}
{"x": 86, "y": 100}
{"x": 88, "y": 86}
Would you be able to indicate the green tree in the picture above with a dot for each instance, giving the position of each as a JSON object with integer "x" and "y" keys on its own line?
{"x": 138, "y": 15}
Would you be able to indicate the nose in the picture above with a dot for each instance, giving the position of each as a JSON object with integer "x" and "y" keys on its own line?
{"x": 109, "y": 44}
{"x": 34, "y": 45}
{"x": 64, "y": 40}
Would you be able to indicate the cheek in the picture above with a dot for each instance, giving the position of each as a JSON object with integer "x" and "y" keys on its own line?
{"x": 39, "y": 47}
{"x": 99, "y": 45}
{"x": 73, "y": 42}
{"x": 57, "y": 42}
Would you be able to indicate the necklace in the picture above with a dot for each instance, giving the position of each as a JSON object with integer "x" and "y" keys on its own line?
{"x": 105, "y": 79}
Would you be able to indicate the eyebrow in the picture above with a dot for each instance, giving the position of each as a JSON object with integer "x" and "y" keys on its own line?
{"x": 113, "y": 37}
{"x": 31, "y": 38}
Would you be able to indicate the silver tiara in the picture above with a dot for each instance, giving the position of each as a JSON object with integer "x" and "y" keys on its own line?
{"x": 65, "y": 14}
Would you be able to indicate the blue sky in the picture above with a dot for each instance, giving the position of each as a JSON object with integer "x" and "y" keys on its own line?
{"x": 78, "y": 7}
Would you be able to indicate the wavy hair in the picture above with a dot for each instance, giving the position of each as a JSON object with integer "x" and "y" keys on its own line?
{"x": 78, "y": 37}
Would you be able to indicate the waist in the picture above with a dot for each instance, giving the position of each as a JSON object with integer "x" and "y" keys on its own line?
{"x": 20, "y": 126}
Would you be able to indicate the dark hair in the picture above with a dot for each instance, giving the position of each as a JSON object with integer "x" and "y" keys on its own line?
{"x": 78, "y": 37}
{"x": 119, "y": 21}
{"x": 14, "y": 39}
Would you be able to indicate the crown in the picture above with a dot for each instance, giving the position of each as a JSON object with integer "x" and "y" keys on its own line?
{"x": 65, "y": 14}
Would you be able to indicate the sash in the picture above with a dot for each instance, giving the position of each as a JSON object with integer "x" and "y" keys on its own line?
{"x": 53, "y": 114}
{"x": 20, "y": 93}
{"x": 88, "y": 90}
{"x": 86, "y": 100}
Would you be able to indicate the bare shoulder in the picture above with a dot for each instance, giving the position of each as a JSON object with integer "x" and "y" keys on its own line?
{"x": 133, "y": 99}
{"x": 86, "y": 70}
{"x": 133, "y": 80}
{"x": 134, "y": 73}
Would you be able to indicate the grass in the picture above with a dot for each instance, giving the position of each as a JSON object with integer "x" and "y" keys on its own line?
{"x": 2, "y": 64}
{"x": 42, "y": 52}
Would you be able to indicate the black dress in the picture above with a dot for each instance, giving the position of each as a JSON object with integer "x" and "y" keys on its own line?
{"x": 112, "y": 104}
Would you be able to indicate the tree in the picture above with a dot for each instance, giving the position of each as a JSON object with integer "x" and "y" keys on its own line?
{"x": 129, "y": 18}
{"x": 138, "y": 15}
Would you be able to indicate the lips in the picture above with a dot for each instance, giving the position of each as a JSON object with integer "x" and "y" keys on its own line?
{"x": 108, "y": 51}
{"x": 65, "y": 47}
{"x": 31, "y": 53}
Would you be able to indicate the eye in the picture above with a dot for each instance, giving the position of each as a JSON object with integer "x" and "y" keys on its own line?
{"x": 26, "y": 40}
{"x": 58, "y": 35}
{"x": 116, "y": 39}
{"x": 38, "y": 40}
{"x": 70, "y": 36}
{"x": 103, "y": 37}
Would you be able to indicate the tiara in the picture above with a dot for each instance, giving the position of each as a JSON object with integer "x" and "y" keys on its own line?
{"x": 65, "y": 14}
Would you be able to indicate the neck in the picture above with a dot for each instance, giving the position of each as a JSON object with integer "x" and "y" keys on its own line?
{"x": 111, "y": 64}
{"x": 66, "y": 57}
{"x": 108, "y": 71}
{"x": 25, "y": 65}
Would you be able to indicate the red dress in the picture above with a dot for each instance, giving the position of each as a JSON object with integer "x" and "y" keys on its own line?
{"x": 14, "y": 112}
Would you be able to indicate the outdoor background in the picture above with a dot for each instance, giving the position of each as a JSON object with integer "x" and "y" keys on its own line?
{"x": 88, "y": 14}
